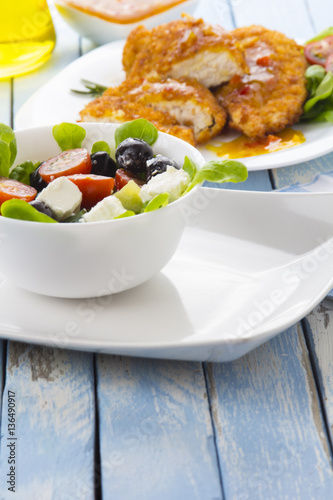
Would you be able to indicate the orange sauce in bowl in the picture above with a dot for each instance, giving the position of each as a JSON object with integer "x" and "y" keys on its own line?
{"x": 122, "y": 11}
{"x": 243, "y": 147}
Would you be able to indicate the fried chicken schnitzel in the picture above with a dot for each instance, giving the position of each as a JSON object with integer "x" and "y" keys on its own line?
{"x": 183, "y": 108}
{"x": 185, "y": 48}
{"x": 271, "y": 96}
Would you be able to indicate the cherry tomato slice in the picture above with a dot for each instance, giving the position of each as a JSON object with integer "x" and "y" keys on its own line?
{"x": 93, "y": 188}
{"x": 329, "y": 64}
{"x": 317, "y": 52}
{"x": 123, "y": 177}
{"x": 10, "y": 188}
{"x": 73, "y": 161}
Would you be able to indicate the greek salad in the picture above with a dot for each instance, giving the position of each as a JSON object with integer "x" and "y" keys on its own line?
{"x": 76, "y": 186}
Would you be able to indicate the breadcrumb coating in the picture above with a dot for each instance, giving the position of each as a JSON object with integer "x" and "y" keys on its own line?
{"x": 272, "y": 95}
{"x": 180, "y": 107}
{"x": 181, "y": 49}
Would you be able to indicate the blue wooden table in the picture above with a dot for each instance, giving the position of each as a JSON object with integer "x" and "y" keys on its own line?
{"x": 107, "y": 427}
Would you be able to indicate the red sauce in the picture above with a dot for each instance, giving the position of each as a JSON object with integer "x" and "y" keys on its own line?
{"x": 123, "y": 11}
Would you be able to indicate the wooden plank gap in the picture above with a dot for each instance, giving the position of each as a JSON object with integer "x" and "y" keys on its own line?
{"x": 12, "y": 103}
{"x": 271, "y": 178}
{"x": 232, "y": 14}
{"x": 210, "y": 408}
{"x": 308, "y": 11}
{"x": 3, "y": 363}
{"x": 80, "y": 46}
{"x": 97, "y": 450}
{"x": 314, "y": 362}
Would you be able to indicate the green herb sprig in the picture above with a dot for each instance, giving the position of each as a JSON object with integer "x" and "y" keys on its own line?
{"x": 93, "y": 89}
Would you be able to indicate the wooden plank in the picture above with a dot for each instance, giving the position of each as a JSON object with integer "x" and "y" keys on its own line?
{"x": 5, "y": 100}
{"x": 216, "y": 12}
{"x": 156, "y": 437}
{"x": 2, "y": 373}
{"x": 54, "y": 419}
{"x": 270, "y": 435}
{"x": 289, "y": 17}
{"x": 5, "y": 117}
{"x": 262, "y": 403}
{"x": 303, "y": 172}
{"x": 320, "y": 12}
{"x": 319, "y": 331}
{"x": 66, "y": 51}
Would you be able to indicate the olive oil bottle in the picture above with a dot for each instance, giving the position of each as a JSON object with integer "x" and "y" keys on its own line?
{"x": 27, "y": 36}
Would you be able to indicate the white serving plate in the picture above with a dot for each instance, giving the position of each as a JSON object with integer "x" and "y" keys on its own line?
{"x": 54, "y": 102}
{"x": 249, "y": 265}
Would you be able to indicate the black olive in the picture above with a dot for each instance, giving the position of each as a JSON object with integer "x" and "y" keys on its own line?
{"x": 36, "y": 180}
{"x": 132, "y": 155}
{"x": 158, "y": 165}
{"x": 43, "y": 208}
{"x": 103, "y": 164}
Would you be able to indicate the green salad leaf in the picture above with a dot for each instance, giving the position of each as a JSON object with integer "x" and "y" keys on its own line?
{"x": 190, "y": 167}
{"x": 20, "y": 209}
{"x": 219, "y": 171}
{"x": 5, "y": 156}
{"x": 8, "y": 149}
{"x": 128, "y": 213}
{"x": 68, "y": 135}
{"x": 323, "y": 34}
{"x": 319, "y": 106}
{"x": 22, "y": 172}
{"x": 314, "y": 76}
{"x": 159, "y": 201}
{"x": 322, "y": 92}
{"x": 139, "y": 129}
{"x": 100, "y": 146}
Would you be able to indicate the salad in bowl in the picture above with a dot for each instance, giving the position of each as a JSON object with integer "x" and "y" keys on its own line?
{"x": 95, "y": 209}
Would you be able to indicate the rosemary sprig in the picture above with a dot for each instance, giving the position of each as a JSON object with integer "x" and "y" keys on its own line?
{"x": 93, "y": 89}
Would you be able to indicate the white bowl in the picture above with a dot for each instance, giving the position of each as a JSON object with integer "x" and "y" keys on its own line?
{"x": 98, "y": 258}
{"x": 102, "y": 31}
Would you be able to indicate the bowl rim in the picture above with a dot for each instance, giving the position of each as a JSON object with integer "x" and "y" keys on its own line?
{"x": 125, "y": 25}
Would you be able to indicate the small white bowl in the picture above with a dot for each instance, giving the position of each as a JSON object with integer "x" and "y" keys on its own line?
{"x": 101, "y": 31}
{"x": 81, "y": 260}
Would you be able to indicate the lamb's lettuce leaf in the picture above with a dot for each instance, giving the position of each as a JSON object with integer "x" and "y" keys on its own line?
{"x": 159, "y": 201}
{"x": 100, "y": 146}
{"x": 22, "y": 172}
{"x": 190, "y": 167}
{"x": 323, "y": 34}
{"x": 219, "y": 171}
{"x": 68, "y": 135}
{"x": 128, "y": 213}
{"x": 139, "y": 129}
{"x": 8, "y": 149}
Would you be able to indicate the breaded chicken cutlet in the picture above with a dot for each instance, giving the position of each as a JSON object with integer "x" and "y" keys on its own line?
{"x": 272, "y": 95}
{"x": 183, "y": 108}
{"x": 185, "y": 48}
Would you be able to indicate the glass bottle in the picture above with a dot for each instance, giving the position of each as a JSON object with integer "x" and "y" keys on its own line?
{"x": 27, "y": 36}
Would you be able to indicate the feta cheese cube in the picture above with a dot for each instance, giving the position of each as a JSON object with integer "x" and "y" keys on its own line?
{"x": 172, "y": 181}
{"x": 106, "y": 209}
{"x": 62, "y": 196}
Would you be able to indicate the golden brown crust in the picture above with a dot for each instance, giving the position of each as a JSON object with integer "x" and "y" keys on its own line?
{"x": 117, "y": 109}
{"x": 272, "y": 96}
{"x": 136, "y": 41}
{"x": 175, "y": 42}
{"x": 162, "y": 101}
